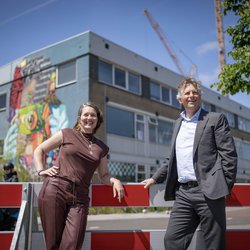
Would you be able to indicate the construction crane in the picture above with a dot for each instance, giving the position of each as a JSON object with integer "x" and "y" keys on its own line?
{"x": 220, "y": 35}
{"x": 164, "y": 40}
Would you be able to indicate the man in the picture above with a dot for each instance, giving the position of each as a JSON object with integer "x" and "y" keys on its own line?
{"x": 10, "y": 175}
{"x": 199, "y": 173}
{"x": 8, "y": 216}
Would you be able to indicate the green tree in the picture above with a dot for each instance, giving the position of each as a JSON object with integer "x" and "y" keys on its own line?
{"x": 235, "y": 77}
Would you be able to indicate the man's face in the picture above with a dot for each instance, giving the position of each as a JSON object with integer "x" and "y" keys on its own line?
{"x": 7, "y": 170}
{"x": 190, "y": 98}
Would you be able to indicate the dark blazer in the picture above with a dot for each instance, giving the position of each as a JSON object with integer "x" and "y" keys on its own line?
{"x": 214, "y": 158}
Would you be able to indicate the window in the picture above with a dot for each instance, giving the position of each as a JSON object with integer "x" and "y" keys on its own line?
{"x": 66, "y": 73}
{"x": 248, "y": 126}
{"x": 140, "y": 127}
{"x": 133, "y": 83}
{"x": 120, "y": 78}
{"x": 120, "y": 122}
{"x": 243, "y": 124}
{"x": 105, "y": 72}
{"x": 206, "y": 106}
{"x": 175, "y": 102}
{"x": 3, "y": 100}
{"x": 155, "y": 91}
{"x": 165, "y": 130}
{"x": 152, "y": 170}
{"x": 141, "y": 173}
{"x": 218, "y": 109}
{"x": 165, "y": 94}
{"x": 152, "y": 126}
{"x": 230, "y": 118}
{"x": 160, "y": 131}
{"x": 244, "y": 150}
{"x": 161, "y": 93}
{"x": 229, "y": 115}
{"x": 124, "y": 171}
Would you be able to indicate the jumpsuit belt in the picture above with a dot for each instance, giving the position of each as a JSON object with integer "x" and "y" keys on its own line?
{"x": 79, "y": 194}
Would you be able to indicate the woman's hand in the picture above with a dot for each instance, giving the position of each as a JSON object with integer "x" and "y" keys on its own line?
{"x": 118, "y": 190}
{"x": 148, "y": 182}
{"x": 49, "y": 171}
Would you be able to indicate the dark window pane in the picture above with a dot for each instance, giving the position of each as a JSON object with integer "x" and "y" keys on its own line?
{"x": 155, "y": 91}
{"x": 3, "y": 101}
{"x": 165, "y": 95}
{"x": 105, "y": 72}
{"x": 175, "y": 102}
{"x": 134, "y": 83}
{"x": 165, "y": 130}
{"x": 120, "y": 78}
{"x": 120, "y": 122}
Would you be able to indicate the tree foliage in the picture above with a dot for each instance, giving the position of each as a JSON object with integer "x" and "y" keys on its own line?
{"x": 235, "y": 77}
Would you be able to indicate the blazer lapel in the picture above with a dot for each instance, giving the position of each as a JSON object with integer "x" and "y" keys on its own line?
{"x": 175, "y": 132}
{"x": 203, "y": 118}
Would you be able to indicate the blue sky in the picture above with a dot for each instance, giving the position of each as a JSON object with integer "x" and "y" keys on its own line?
{"x": 188, "y": 25}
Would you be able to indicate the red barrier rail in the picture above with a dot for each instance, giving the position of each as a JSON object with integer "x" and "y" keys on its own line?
{"x": 5, "y": 239}
{"x": 239, "y": 196}
{"x": 11, "y": 195}
{"x": 135, "y": 196}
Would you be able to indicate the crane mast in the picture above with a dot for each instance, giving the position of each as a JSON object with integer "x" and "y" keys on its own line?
{"x": 220, "y": 36}
{"x": 157, "y": 28}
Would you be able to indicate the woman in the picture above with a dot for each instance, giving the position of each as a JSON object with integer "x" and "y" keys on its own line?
{"x": 63, "y": 200}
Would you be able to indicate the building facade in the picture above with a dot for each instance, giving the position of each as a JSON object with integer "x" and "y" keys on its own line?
{"x": 40, "y": 94}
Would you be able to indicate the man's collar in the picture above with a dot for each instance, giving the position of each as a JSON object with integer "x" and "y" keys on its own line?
{"x": 195, "y": 116}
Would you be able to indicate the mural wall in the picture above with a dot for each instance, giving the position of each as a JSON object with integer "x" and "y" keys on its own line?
{"x": 35, "y": 112}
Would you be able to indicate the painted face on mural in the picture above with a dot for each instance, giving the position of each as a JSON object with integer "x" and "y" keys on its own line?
{"x": 88, "y": 119}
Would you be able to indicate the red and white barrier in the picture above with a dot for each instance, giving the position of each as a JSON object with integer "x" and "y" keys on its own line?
{"x": 135, "y": 196}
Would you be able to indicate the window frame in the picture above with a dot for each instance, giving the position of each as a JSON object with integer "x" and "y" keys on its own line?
{"x": 141, "y": 122}
{"x": 113, "y": 131}
{"x": 174, "y": 99}
{"x": 5, "y": 106}
{"x": 169, "y": 94}
{"x": 127, "y": 74}
{"x": 128, "y": 82}
{"x": 112, "y": 73}
{"x": 68, "y": 82}
{"x": 125, "y": 78}
{"x": 152, "y": 83}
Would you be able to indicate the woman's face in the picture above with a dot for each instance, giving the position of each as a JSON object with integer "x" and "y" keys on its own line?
{"x": 88, "y": 119}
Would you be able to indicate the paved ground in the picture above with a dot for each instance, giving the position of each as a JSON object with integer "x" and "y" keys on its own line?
{"x": 237, "y": 218}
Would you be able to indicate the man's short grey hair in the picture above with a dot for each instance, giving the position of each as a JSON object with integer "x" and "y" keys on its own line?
{"x": 186, "y": 81}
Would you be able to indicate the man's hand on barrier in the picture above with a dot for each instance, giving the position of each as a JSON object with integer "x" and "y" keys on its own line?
{"x": 148, "y": 182}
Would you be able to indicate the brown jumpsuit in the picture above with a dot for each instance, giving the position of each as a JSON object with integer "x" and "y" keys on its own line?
{"x": 63, "y": 200}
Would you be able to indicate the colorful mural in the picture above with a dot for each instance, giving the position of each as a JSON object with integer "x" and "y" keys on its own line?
{"x": 35, "y": 112}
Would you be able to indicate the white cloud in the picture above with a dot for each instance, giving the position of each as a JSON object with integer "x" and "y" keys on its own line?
{"x": 206, "y": 47}
{"x": 208, "y": 78}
